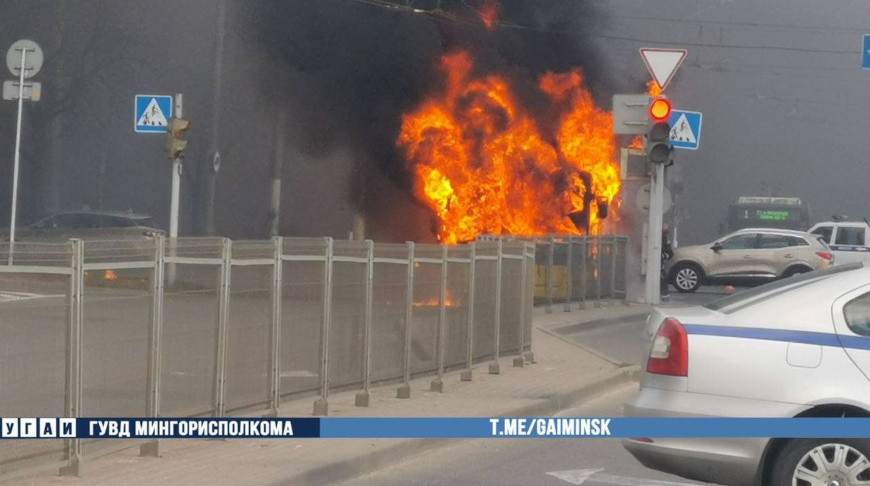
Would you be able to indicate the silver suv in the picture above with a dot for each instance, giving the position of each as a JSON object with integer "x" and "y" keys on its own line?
{"x": 752, "y": 255}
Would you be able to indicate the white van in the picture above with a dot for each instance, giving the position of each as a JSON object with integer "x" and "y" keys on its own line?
{"x": 848, "y": 240}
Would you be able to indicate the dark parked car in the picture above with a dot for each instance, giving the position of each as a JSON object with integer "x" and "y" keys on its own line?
{"x": 87, "y": 225}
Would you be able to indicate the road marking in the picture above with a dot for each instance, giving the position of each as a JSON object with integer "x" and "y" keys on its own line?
{"x": 580, "y": 476}
{"x": 17, "y": 296}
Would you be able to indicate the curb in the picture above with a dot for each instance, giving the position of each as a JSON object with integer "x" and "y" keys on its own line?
{"x": 405, "y": 449}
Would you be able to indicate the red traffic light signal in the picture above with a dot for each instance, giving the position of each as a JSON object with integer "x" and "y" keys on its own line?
{"x": 660, "y": 109}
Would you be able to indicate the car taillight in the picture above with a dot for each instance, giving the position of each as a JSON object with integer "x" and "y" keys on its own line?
{"x": 670, "y": 350}
{"x": 824, "y": 254}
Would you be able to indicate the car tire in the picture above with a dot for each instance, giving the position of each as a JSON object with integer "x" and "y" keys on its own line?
{"x": 801, "y": 459}
{"x": 686, "y": 277}
{"x": 795, "y": 270}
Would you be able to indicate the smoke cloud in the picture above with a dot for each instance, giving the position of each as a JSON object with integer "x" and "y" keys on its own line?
{"x": 356, "y": 68}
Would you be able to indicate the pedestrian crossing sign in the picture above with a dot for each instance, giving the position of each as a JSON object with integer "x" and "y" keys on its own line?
{"x": 685, "y": 129}
{"x": 152, "y": 113}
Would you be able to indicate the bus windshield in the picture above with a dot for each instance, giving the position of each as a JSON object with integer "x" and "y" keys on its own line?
{"x": 768, "y": 212}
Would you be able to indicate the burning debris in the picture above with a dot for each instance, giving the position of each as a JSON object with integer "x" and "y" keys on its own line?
{"x": 488, "y": 13}
{"x": 480, "y": 162}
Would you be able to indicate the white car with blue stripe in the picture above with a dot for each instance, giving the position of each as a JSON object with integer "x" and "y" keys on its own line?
{"x": 848, "y": 240}
{"x": 797, "y": 347}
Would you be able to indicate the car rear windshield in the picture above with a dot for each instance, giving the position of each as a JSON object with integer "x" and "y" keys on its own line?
{"x": 740, "y": 300}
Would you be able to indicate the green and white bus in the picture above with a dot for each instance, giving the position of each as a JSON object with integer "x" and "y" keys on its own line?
{"x": 767, "y": 212}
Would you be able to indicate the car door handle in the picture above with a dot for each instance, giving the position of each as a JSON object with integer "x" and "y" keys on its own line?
{"x": 788, "y": 255}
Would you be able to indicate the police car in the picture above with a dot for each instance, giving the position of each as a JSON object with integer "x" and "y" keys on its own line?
{"x": 797, "y": 347}
{"x": 848, "y": 240}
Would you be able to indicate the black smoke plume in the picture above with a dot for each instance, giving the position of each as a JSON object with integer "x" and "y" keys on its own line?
{"x": 357, "y": 67}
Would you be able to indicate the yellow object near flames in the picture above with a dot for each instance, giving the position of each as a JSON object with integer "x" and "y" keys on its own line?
{"x": 560, "y": 282}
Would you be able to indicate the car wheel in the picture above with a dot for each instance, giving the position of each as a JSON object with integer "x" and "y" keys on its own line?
{"x": 811, "y": 462}
{"x": 798, "y": 269}
{"x": 686, "y": 277}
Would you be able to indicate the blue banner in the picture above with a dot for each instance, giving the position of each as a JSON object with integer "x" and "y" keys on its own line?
{"x": 545, "y": 427}
{"x": 430, "y": 428}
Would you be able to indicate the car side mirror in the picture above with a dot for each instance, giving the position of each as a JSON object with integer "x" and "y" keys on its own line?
{"x": 717, "y": 247}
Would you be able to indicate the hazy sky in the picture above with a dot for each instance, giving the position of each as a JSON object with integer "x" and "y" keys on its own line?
{"x": 779, "y": 83}
{"x": 790, "y": 112}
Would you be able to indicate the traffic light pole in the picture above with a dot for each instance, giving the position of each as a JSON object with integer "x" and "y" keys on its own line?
{"x": 176, "y": 189}
{"x": 654, "y": 235}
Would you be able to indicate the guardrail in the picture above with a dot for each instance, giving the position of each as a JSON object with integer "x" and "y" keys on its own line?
{"x": 577, "y": 269}
{"x": 211, "y": 327}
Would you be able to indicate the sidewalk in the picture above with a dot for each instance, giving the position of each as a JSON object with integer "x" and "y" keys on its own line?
{"x": 559, "y": 318}
{"x": 562, "y": 375}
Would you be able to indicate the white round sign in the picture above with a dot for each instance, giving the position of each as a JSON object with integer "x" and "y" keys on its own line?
{"x": 32, "y": 60}
{"x": 642, "y": 199}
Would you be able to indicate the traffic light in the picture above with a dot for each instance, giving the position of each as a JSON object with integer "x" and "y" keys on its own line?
{"x": 659, "y": 109}
{"x": 658, "y": 144}
{"x": 174, "y": 143}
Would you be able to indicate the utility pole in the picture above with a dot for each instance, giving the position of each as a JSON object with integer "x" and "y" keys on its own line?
{"x": 28, "y": 51}
{"x": 176, "y": 178}
{"x": 277, "y": 169}
{"x": 176, "y": 144}
{"x": 211, "y": 178}
{"x": 654, "y": 235}
{"x": 17, "y": 155}
{"x": 659, "y": 153}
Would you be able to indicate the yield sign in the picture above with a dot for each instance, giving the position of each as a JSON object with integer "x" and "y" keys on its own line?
{"x": 662, "y": 63}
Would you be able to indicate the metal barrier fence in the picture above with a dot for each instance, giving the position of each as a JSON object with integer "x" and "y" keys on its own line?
{"x": 577, "y": 269}
{"x": 211, "y": 327}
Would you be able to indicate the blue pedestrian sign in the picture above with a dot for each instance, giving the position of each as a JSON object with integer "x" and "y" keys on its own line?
{"x": 151, "y": 113}
{"x": 685, "y": 129}
{"x": 865, "y": 53}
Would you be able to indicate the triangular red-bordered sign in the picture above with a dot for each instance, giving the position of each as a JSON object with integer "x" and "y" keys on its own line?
{"x": 662, "y": 64}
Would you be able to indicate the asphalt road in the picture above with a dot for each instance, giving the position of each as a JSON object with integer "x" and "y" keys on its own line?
{"x": 546, "y": 462}
{"x": 619, "y": 338}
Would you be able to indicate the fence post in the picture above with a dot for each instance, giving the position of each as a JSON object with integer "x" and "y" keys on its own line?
{"x": 73, "y": 379}
{"x": 569, "y": 274}
{"x": 584, "y": 271}
{"x": 469, "y": 350}
{"x": 277, "y": 318}
{"x": 625, "y": 271}
{"x": 520, "y": 360}
{"x": 613, "y": 267}
{"x": 598, "y": 271}
{"x": 321, "y": 405}
{"x": 530, "y": 306}
{"x": 404, "y": 390}
{"x": 362, "y": 398}
{"x": 496, "y": 334}
{"x": 155, "y": 337}
{"x": 550, "y": 251}
{"x": 438, "y": 383}
{"x": 223, "y": 317}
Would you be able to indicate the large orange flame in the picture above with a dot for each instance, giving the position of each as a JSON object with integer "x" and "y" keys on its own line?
{"x": 481, "y": 164}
